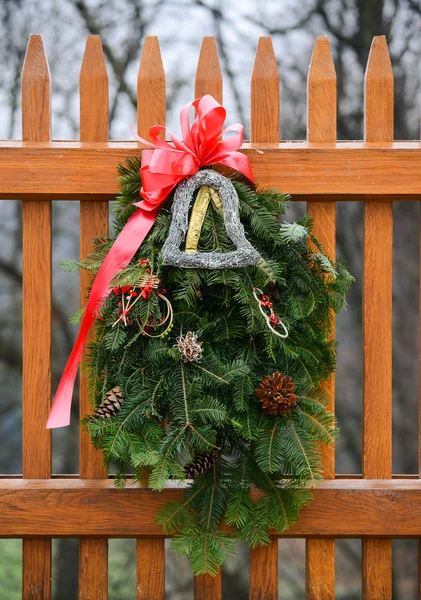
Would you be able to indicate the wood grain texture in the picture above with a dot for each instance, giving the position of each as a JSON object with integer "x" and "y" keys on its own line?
{"x": 419, "y": 426}
{"x": 150, "y": 566}
{"x": 321, "y": 95}
{"x": 151, "y": 110}
{"x": 36, "y": 569}
{"x": 93, "y": 569}
{"x": 377, "y": 569}
{"x": 265, "y": 97}
{"x": 93, "y": 215}
{"x": 264, "y": 572}
{"x": 320, "y": 569}
{"x": 36, "y": 399}
{"x": 378, "y": 94}
{"x": 36, "y": 304}
{"x": 321, "y": 128}
{"x": 77, "y": 508}
{"x": 36, "y": 93}
{"x": 342, "y": 171}
{"x": 207, "y": 587}
{"x": 377, "y": 319}
{"x": 93, "y": 82}
{"x": 264, "y": 129}
{"x": 93, "y": 554}
{"x": 151, "y": 92}
{"x": 208, "y": 78}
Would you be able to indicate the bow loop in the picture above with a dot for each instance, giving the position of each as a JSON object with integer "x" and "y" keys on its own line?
{"x": 203, "y": 145}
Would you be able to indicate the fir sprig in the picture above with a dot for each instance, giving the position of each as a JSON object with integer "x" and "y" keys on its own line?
{"x": 174, "y": 409}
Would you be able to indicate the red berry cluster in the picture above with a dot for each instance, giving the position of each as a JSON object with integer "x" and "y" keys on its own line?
{"x": 128, "y": 293}
{"x": 265, "y": 302}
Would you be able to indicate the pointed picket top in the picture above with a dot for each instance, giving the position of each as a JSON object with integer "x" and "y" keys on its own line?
{"x": 321, "y": 94}
{"x": 93, "y": 93}
{"x": 151, "y": 92}
{"x": 378, "y": 94}
{"x": 36, "y": 92}
{"x": 265, "y": 97}
{"x": 208, "y": 78}
{"x": 93, "y": 62}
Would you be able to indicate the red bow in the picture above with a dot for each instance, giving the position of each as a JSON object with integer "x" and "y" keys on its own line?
{"x": 168, "y": 163}
{"x": 162, "y": 169}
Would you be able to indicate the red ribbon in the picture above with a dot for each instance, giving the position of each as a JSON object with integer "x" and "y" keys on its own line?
{"x": 162, "y": 169}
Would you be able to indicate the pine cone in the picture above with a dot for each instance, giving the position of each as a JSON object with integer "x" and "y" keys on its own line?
{"x": 111, "y": 404}
{"x": 190, "y": 349}
{"x": 200, "y": 464}
{"x": 277, "y": 394}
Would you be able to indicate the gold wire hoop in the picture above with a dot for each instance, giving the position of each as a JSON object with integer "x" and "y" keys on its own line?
{"x": 169, "y": 316}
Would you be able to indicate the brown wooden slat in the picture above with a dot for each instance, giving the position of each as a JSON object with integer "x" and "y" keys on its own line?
{"x": 36, "y": 569}
{"x": 78, "y": 507}
{"x": 93, "y": 554}
{"x": 321, "y": 128}
{"x": 419, "y": 426}
{"x": 151, "y": 94}
{"x": 150, "y": 566}
{"x": 265, "y": 97}
{"x": 36, "y": 267}
{"x": 208, "y": 80}
{"x": 151, "y": 110}
{"x": 264, "y": 572}
{"x": 93, "y": 568}
{"x": 207, "y": 587}
{"x": 265, "y": 106}
{"x": 345, "y": 171}
{"x": 36, "y": 93}
{"x": 377, "y": 319}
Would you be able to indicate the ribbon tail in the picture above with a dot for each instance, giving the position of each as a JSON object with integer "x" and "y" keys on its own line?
{"x": 119, "y": 255}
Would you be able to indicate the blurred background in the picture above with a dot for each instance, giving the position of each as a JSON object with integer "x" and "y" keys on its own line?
{"x": 180, "y": 25}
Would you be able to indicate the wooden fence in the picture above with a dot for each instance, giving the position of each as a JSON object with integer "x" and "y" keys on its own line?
{"x": 375, "y": 506}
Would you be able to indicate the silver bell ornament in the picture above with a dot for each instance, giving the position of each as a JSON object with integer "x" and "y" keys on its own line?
{"x": 219, "y": 190}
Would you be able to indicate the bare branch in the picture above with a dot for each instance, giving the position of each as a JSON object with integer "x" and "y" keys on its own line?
{"x": 58, "y": 314}
{"x": 118, "y": 66}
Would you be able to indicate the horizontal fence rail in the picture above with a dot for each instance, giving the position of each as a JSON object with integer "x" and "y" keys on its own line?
{"x": 376, "y": 506}
{"x": 341, "y": 171}
{"x": 77, "y": 507}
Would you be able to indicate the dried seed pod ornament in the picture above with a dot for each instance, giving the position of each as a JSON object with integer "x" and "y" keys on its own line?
{"x": 277, "y": 394}
{"x": 190, "y": 348}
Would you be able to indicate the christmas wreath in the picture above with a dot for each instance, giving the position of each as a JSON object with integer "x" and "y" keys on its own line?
{"x": 209, "y": 351}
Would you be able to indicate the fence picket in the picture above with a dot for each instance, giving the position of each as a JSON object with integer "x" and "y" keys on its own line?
{"x": 151, "y": 93}
{"x": 265, "y": 96}
{"x": 265, "y": 105}
{"x": 150, "y": 560}
{"x": 37, "y": 273}
{"x": 93, "y": 553}
{"x": 264, "y": 572}
{"x": 377, "y": 319}
{"x": 207, "y": 587}
{"x": 151, "y": 110}
{"x": 419, "y": 421}
{"x": 321, "y": 128}
{"x": 208, "y": 80}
